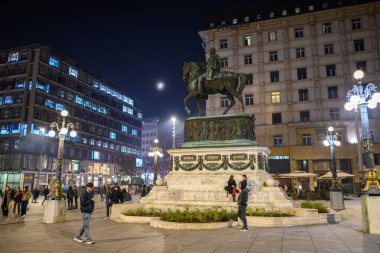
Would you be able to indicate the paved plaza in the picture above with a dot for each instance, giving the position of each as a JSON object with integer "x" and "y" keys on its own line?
{"x": 110, "y": 236}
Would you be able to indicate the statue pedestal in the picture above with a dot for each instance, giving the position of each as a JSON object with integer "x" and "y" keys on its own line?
{"x": 198, "y": 177}
{"x": 371, "y": 214}
{"x": 55, "y": 211}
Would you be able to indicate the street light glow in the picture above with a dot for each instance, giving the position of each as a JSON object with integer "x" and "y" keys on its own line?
{"x": 51, "y": 133}
{"x": 64, "y": 113}
{"x": 330, "y": 129}
{"x": 73, "y": 133}
{"x": 358, "y": 74}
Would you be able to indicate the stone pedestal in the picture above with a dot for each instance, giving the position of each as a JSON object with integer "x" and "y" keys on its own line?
{"x": 55, "y": 211}
{"x": 336, "y": 200}
{"x": 371, "y": 214}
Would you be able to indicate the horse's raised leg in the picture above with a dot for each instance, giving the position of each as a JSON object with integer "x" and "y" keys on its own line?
{"x": 198, "y": 102}
{"x": 231, "y": 103}
{"x": 188, "y": 111}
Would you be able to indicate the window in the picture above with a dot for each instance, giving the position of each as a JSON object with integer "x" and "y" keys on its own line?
{"x": 249, "y": 99}
{"x": 124, "y": 128}
{"x": 297, "y": 10}
{"x": 113, "y": 135}
{"x": 306, "y": 139}
{"x": 73, "y": 72}
{"x": 78, "y": 100}
{"x": 274, "y": 76}
{"x": 53, "y": 62}
{"x": 234, "y": 21}
{"x": 8, "y": 100}
{"x": 303, "y": 165}
{"x": 332, "y": 92}
{"x": 99, "y": 143}
{"x": 276, "y": 118}
{"x": 277, "y": 141}
{"x": 335, "y": 114}
{"x": 95, "y": 155}
{"x": 326, "y": 28}
{"x": 359, "y": 45}
{"x": 362, "y": 65}
{"x": 272, "y": 36}
{"x": 224, "y": 102}
{"x": 300, "y": 52}
{"x": 330, "y": 70}
{"x": 92, "y": 141}
{"x": 249, "y": 78}
{"x": 356, "y": 23}
{"x": 223, "y": 43}
{"x": 223, "y": 62}
{"x": 247, "y": 40}
{"x": 298, "y": 32}
{"x": 134, "y": 132}
{"x": 50, "y": 103}
{"x": 276, "y": 97}
{"x": 303, "y": 94}
{"x": 325, "y": 5}
{"x": 247, "y": 59}
{"x": 284, "y": 12}
{"x": 123, "y": 149}
{"x": 304, "y": 116}
{"x": 329, "y": 49}
{"x": 301, "y": 73}
{"x": 13, "y": 56}
{"x": 271, "y": 14}
{"x": 59, "y": 107}
{"x": 273, "y": 56}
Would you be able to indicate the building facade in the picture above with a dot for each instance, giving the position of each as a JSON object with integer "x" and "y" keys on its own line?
{"x": 149, "y": 134}
{"x": 299, "y": 60}
{"x": 36, "y": 83}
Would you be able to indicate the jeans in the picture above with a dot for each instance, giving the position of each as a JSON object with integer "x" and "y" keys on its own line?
{"x": 85, "y": 226}
{"x": 76, "y": 202}
{"x": 24, "y": 205}
{"x": 18, "y": 204}
{"x": 242, "y": 215}
{"x": 69, "y": 203}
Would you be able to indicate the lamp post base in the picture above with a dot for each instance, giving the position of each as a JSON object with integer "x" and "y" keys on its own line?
{"x": 371, "y": 214}
{"x": 55, "y": 211}
{"x": 336, "y": 200}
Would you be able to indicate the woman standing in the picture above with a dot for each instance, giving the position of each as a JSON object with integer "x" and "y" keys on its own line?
{"x": 17, "y": 201}
{"x": 24, "y": 200}
{"x": 232, "y": 188}
{"x": 7, "y": 198}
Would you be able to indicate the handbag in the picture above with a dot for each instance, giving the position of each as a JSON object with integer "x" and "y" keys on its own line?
{"x": 10, "y": 205}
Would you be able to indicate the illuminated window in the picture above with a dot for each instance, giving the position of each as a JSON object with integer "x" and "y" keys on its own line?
{"x": 123, "y": 149}
{"x": 326, "y": 28}
{"x": 53, "y": 62}
{"x": 113, "y": 135}
{"x": 134, "y": 132}
{"x": 276, "y": 97}
{"x": 95, "y": 155}
{"x": 73, "y": 72}
{"x": 78, "y": 100}
{"x": 247, "y": 40}
{"x": 13, "y": 56}
{"x": 139, "y": 115}
{"x": 124, "y": 128}
{"x": 272, "y": 36}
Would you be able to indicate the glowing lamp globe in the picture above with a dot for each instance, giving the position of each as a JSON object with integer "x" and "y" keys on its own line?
{"x": 376, "y": 97}
{"x": 358, "y": 74}
{"x": 372, "y": 104}
{"x": 63, "y": 130}
{"x": 337, "y": 143}
{"x": 73, "y": 133}
{"x": 64, "y": 113}
{"x": 326, "y": 143}
{"x": 348, "y": 106}
{"x": 355, "y": 99}
{"x": 51, "y": 133}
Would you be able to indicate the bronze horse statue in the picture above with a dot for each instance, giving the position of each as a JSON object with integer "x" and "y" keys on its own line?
{"x": 227, "y": 83}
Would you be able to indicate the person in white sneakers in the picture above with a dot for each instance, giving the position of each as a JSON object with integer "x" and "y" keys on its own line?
{"x": 87, "y": 202}
{"x": 242, "y": 205}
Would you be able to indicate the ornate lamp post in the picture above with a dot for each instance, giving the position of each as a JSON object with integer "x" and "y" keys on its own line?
{"x": 336, "y": 193}
{"x": 364, "y": 96}
{"x": 63, "y": 129}
{"x": 155, "y": 152}
{"x": 173, "y": 132}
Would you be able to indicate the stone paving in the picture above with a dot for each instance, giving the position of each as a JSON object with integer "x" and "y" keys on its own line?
{"x": 110, "y": 236}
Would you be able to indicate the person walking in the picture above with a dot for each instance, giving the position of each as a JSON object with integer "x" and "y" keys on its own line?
{"x": 76, "y": 195}
{"x": 6, "y": 201}
{"x": 24, "y": 201}
{"x": 244, "y": 181}
{"x": 232, "y": 187}
{"x": 87, "y": 202}
{"x": 115, "y": 198}
{"x": 70, "y": 197}
{"x": 242, "y": 205}
{"x": 17, "y": 201}
{"x": 35, "y": 193}
{"x": 46, "y": 193}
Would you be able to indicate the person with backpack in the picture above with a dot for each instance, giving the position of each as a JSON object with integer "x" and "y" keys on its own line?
{"x": 87, "y": 204}
{"x": 242, "y": 205}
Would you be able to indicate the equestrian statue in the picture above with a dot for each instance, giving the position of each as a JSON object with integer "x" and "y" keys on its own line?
{"x": 203, "y": 79}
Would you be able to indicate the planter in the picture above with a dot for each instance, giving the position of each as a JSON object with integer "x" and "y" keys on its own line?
{"x": 136, "y": 219}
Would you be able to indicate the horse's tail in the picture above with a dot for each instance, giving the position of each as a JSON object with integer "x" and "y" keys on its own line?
{"x": 242, "y": 83}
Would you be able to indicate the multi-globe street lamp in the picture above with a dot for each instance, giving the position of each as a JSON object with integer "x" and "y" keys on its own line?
{"x": 336, "y": 193}
{"x": 63, "y": 130}
{"x": 173, "y": 130}
{"x": 155, "y": 152}
{"x": 363, "y": 96}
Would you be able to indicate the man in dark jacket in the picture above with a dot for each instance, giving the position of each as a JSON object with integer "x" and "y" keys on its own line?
{"x": 115, "y": 198}
{"x": 87, "y": 202}
{"x": 242, "y": 202}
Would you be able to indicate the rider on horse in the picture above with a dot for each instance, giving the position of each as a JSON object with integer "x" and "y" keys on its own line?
{"x": 212, "y": 70}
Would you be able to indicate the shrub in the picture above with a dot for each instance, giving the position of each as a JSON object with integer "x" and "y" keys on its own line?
{"x": 151, "y": 212}
{"x": 315, "y": 205}
{"x": 274, "y": 213}
{"x": 198, "y": 216}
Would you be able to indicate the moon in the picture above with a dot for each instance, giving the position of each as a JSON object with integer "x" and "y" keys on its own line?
{"x": 160, "y": 86}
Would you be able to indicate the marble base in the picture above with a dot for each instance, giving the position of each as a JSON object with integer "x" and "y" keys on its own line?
{"x": 336, "y": 200}
{"x": 371, "y": 214}
{"x": 55, "y": 211}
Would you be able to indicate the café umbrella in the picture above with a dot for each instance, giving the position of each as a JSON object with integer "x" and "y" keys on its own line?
{"x": 297, "y": 174}
{"x": 339, "y": 174}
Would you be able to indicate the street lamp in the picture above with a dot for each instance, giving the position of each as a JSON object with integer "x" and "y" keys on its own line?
{"x": 56, "y": 192}
{"x": 362, "y": 96}
{"x": 42, "y": 132}
{"x": 156, "y": 152}
{"x": 173, "y": 133}
{"x": 336, "y": 193}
